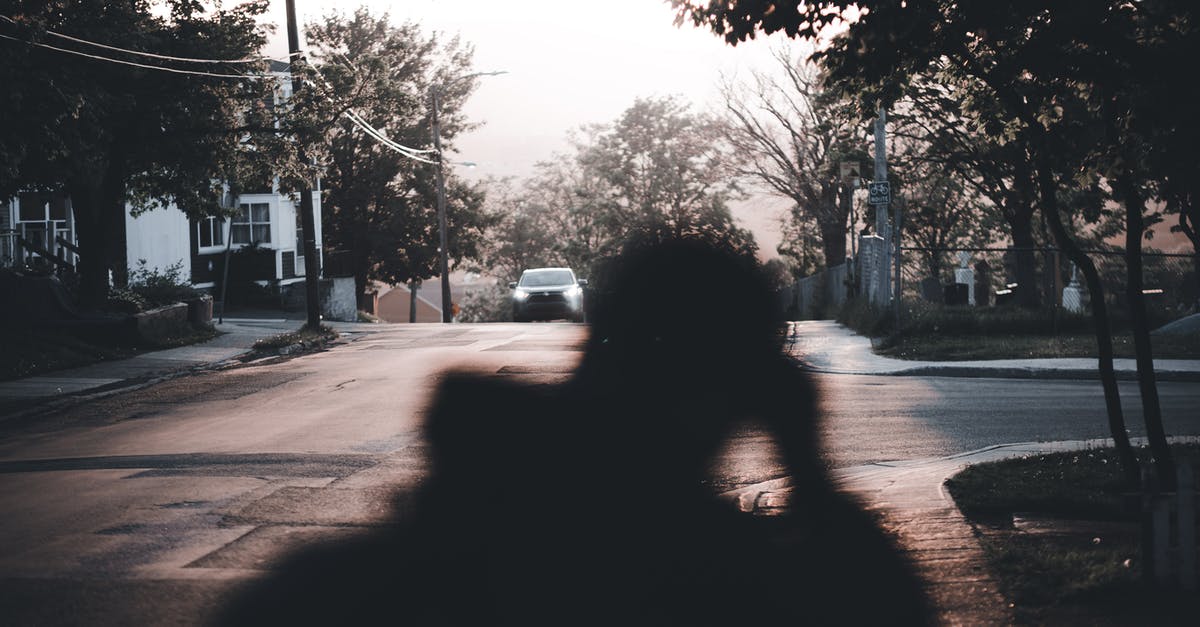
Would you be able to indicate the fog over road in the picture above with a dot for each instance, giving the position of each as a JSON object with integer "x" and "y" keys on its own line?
{"x": 148, "y": 506}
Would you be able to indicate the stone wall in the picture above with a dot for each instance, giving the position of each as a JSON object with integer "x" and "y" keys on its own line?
{"x": 338, "y": 300}
{"x": 158, "y": 325}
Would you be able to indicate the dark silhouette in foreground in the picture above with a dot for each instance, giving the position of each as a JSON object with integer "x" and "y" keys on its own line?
{"x": 586, "y": 503}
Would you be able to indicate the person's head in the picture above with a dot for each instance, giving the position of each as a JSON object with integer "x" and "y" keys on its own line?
{"x": 679, "y": 331}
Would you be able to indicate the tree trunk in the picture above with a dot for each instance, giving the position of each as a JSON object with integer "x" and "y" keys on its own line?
{"x": 98, "y": 203}
{"x": 93, "y": 246}
{"x": 1021, "y": 226}
{"x": 1108, "y": 376}
{"x": 833, "y": 244}
{"x": 1188, "y": 215}
{"x": 1151, "y": 409}
{"x": 360, "y": 259}
{"x": 413, "y": 286}
{"x": 831, "y": 220}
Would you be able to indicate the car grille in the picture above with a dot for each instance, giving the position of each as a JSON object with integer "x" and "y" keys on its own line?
{"x": 554, "y": 298}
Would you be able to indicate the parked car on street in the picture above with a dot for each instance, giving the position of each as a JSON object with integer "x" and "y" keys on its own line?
{"x": 548, "y": 294}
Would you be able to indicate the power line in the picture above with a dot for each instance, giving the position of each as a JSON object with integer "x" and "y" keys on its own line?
{"x": 361, "y": 122}
{"x": 369, "y": 130}
{"x": 150, "y": 54}
{"x": 412, "y": 153}
{"x": 136, "y": 64}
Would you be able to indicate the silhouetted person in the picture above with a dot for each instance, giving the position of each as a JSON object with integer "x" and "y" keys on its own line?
{"x": 586, "y": 503}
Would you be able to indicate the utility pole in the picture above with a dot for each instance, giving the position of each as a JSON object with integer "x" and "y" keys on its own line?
{"x": 443, "y": 246}
{"x": 307, "y": 221}
{"x": 435, "y": 95}
{"x": 413, "y": 286}
{"x": 881, "y": 208}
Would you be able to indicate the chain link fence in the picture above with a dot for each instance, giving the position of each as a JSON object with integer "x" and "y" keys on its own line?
{"x": 1046, "y": 278}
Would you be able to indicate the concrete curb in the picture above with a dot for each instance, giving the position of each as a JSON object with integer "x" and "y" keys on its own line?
{"x": 1029, "y": 373}
{"x": 31, "y": 407}
{"x": 999, "y": 372}
{"x": 830, "y": 348}
{"x": 917, "y": 512}
{"x": 37, "y": 405}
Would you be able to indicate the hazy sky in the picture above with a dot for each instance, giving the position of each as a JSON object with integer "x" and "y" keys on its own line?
{"x": 569, "y": 62}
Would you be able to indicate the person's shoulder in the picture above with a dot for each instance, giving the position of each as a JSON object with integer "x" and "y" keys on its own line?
{"x": 463, "y": 391}
{"x": 469, "y": 409}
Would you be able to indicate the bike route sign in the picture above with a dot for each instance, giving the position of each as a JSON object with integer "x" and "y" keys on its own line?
{"x": 879, "y": 193}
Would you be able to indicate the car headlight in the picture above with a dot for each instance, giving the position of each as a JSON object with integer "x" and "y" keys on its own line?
{"x": 520, "y": 294}
{"x": 574, "y": 292}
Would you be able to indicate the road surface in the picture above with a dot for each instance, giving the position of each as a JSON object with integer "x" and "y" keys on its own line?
{"x": 150, "y": 506}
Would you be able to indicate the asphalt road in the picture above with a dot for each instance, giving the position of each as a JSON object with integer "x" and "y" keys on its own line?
{"x": 870, "y": 419}
{"x": 150, "y": 506}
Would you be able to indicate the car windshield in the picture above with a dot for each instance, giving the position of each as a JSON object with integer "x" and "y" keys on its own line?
{"x": 546, "y": 278}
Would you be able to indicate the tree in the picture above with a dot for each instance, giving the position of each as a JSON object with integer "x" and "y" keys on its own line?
{"x": 657, "y": 173}
{"x": 107, "y": 133}
{"x": 1083, "y": 87}
{"x": 666, "y": 176}
{"x": 790, "y": 136}
{"x": 940, "y": 135}
{"x": 940, "y": 213}
{"x": 800, "y": 243}
{"x": 380, "y": 204}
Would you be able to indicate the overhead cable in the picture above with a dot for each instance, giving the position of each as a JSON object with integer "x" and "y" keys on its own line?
{"x": 361, "y": 122}
{"x": 412, "y": 153}
{"x": 383, "y": 139}
{"x": 152, "y": 55}
{"x": 141, "y": 65}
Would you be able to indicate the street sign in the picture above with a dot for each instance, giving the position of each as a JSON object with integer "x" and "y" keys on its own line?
{"x": 879, "y": 193}
{"x": 850, "y": 170}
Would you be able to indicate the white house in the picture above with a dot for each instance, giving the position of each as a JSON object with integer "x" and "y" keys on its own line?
{"x": 40, "y": 228}
{"x": 35, "y": 227}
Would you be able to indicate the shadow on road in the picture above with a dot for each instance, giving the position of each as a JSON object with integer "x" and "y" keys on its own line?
{"x": 585, "y": 503}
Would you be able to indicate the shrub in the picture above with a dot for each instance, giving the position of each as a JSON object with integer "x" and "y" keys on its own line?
{"x": 866, "y": 319}
{"x": 924, "y": 318}
{"x": 492, "y": 303}
{"x": 126, "y": 301}
{"x": 161, "y": 288}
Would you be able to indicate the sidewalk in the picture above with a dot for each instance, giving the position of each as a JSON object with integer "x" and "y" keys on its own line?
{"x": 923, "y": 521}
{"x": 237, "y": 337}
{"x": 826, "y": 346}
{"x": 914, "y": 508}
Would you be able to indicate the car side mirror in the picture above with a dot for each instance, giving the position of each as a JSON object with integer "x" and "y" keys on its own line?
{"x": 582, "y": 282}
{"x": 512, "y": 285}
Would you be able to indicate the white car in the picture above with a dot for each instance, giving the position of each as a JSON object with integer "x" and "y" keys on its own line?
{"x": 547, "y": 294}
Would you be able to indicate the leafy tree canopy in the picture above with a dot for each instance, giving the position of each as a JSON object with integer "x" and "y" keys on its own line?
{"x": 106, "y": 133}
{"x": 381, "y": 204}
{"x": 656, "y": 173}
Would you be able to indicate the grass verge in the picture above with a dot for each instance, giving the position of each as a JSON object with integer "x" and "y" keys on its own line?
{"x": 38, "y": 352}
{"x": 296, "y": 341}
{"x": 929, "y": 332}
{"x": 1079, "y": 563}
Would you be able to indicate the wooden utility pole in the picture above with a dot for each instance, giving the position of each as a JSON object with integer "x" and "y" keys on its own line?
{"x": 443, "y": 246}
{"x": 307, "y": 220}
{"x": 883, "y": 258}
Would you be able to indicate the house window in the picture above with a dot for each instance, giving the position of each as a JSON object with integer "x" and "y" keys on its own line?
{"x": 210, "y": 231}
{"x": 33, "y": 207}
{"x": 58, "y": 207}
{"x": 252, "y": 224}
